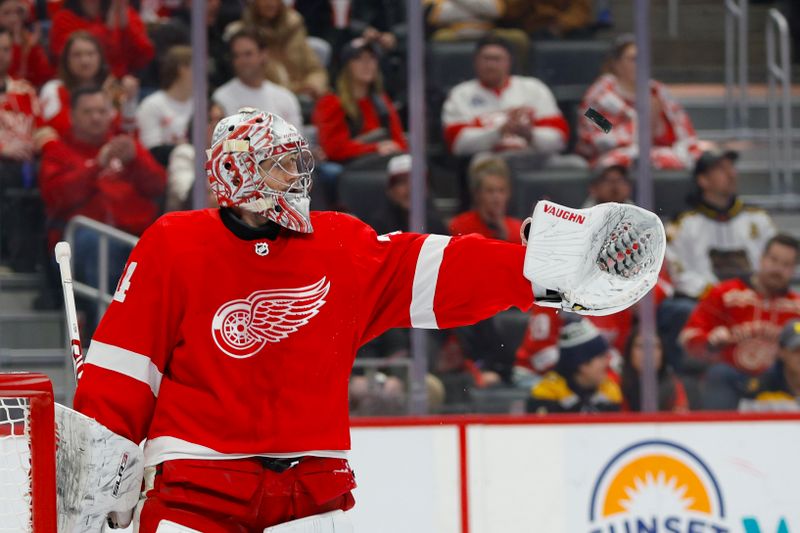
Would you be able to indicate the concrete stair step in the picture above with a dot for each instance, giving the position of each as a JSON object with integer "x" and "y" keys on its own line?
{"x": 17, "y": 300}
{"x": 698, "y": 51}
{"x": 18, "y": 291}
{"x": 34, "y": 330}
{"x": 17, "y": 281}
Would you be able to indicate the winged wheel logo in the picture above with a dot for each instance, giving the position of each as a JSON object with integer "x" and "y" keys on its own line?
{"x": 241, "y": 328}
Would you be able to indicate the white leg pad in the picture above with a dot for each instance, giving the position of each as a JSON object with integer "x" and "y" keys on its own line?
{"x": 168, "y": 526}
{"x": 333, "y": 522}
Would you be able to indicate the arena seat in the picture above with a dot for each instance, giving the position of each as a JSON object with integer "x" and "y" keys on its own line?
{"x": 546, "y": 61}
{"x": 511, "y": 326}
{"x": 449, "y": 63}
{"x": 670, "y": 189}
{"x": 564, "y": 186}
{"x": 362, "y": 190}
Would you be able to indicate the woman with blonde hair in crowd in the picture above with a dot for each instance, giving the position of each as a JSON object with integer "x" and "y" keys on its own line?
{"x": 360, "y": 119}
{"x": 83, "y": 64}
{"x": 675, "y": 144}
{"x": 292, "y": 62}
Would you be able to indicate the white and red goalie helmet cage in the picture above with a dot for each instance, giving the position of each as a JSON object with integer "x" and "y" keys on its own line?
{"x": 240, "y": 143}
{"x": 27, "y": 454}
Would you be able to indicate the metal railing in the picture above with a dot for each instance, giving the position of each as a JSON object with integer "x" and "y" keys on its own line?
{"x": 780, "y": 124}
{"x": 102, "y": 294}
{"x": 736, "y": 105}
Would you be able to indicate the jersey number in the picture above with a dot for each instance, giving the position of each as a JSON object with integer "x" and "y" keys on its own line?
{"x": 125, "y": 283}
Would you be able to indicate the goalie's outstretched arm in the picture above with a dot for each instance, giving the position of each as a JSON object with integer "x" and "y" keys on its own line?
{"x": 591, "y": 261}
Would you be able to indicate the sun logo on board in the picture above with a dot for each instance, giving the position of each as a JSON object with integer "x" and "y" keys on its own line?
{"x": 656, "y": 485}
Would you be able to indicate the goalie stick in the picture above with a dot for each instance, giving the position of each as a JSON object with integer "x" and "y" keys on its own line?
{"x": 63, "y": 257}
{"x": 99, "y": 473}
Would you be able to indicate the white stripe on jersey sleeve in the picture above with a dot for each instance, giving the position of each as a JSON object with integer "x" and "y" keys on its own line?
{"x": 425, "y": 277}
{"x": 126, "y": 362}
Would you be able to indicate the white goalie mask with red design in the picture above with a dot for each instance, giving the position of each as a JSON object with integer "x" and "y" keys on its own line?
{"x": 261, "y": 163}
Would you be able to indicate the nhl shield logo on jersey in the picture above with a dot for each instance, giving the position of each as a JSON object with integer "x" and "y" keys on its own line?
{"x": 262, "y": 248}
{"x": 241, "y": 328}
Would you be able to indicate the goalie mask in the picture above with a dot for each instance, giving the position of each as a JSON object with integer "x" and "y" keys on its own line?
{"x": 261, "y": 163}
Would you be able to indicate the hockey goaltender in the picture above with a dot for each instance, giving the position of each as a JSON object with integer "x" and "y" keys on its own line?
{"x": 230, "y": 340}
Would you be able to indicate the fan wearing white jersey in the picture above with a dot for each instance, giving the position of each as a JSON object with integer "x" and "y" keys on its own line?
{"x": 232, "y": 333}
{"x": 498, "y": 112}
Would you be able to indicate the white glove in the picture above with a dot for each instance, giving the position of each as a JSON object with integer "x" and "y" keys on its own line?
{"x": 595, "y": 261}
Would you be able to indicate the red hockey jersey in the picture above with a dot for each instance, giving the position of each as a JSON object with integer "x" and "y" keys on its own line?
{"x": 753, "y": 320}
{"x": 218, "y": 346}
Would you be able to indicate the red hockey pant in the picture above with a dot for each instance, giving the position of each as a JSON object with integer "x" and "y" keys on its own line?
{"x": 245, "y": 495}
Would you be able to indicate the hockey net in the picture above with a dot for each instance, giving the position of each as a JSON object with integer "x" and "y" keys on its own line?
{"x": 27, "y": 454}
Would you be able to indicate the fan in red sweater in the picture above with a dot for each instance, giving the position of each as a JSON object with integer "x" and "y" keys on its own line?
{"x": 118, "y": 28}
{"x": 29, "y": 60}
{"x": 360, "y": 119}
{"x": 91, "y": 172}
{"x": 490, "y": 185}
{"x": 739, "y": 320}
{"x": 22, "y": 130}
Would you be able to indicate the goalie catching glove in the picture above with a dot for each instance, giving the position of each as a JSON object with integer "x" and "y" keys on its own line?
{"x": 595, "y": 261}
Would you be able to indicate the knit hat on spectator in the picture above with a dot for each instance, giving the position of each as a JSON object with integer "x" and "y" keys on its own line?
{"x": 399, "y": 168}
{"x": 355, "y": 47}
{"x": 789, "y": 338}
{"x": 578, "y": 342}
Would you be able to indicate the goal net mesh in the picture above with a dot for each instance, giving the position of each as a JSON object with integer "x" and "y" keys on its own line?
{"x": 15, "y": 466}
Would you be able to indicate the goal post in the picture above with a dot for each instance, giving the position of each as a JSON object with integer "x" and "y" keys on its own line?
{"x": 27, "y": 454}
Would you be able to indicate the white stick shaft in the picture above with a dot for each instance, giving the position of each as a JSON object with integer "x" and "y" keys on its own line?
{"x": 63, "y": 256}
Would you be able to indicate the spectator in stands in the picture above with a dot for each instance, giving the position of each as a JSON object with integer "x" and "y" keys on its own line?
{"x": 292, "y": 63}
{"x": 181, "y": 168}
{"x": 736, "y": 325}
{"x": 250, "y": 87}
{"x": 114, "y": 23}
{"x": 675, "y": 144}
{"x": 548, "y": 19}
{"x": 82, "y": 64}
{"x": 719, "y": 238}
{"x": 490, "y": 185}
{"x": 359, "y": 120}
{"x": 671, "y": 393}
{"x": 378, "y": 21}
{"x": 29, "y": 60}
{"x": 175, "y": 30}
{"x": 96, "y": 173}
{"x": 163, "y": 116}
{"x": 610, "y": 184}
{"x": 580, "y": 381}
{"x": 374, "y": 20}
{"x": 22, "y": 135}
{"x": 454, "y": 20}
{"x": 777, "y": 389}
{"x": 393, "y": 214}
{"x": 500, "y": 112}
